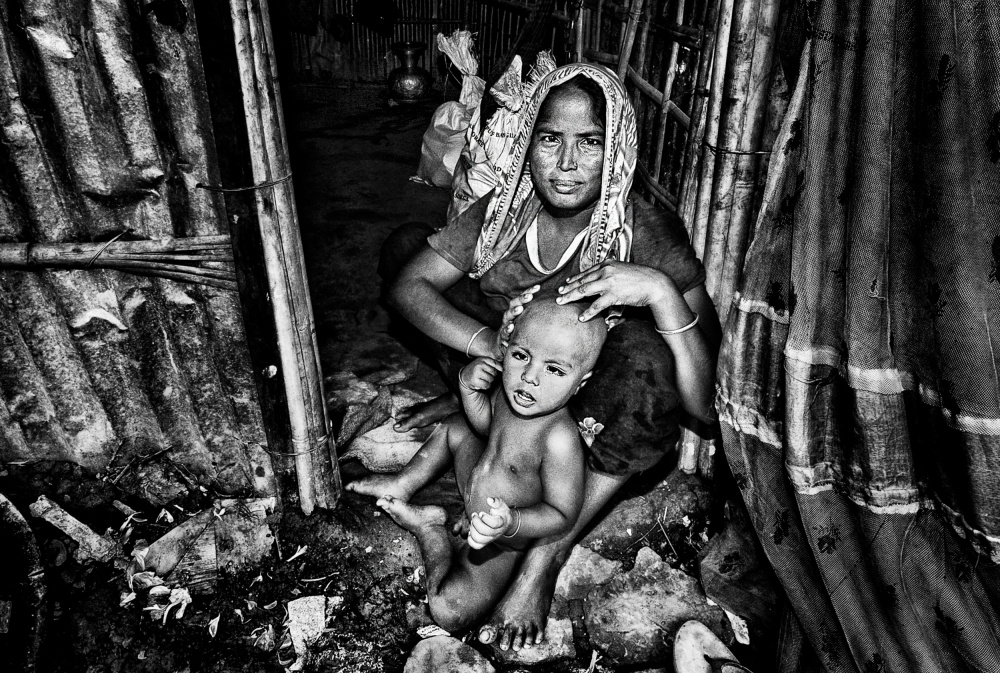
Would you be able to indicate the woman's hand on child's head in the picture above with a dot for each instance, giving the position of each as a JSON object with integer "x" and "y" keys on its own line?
{"x": 479, "y": 374}
{"x": 615, "y": 284}
{"x": 514, "y": 309}
{"x": 485, "y": 528}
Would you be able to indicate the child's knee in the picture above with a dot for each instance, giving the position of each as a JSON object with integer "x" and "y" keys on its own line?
{"x": 447, "y": 611}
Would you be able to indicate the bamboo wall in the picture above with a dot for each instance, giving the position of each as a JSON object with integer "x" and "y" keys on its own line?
{"x": 106, "y": 128}
{"x": 367, "y": 56}
{"x": 661, "y": 76}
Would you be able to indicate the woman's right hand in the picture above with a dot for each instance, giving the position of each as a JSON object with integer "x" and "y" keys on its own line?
{"x": 514, "y": 309}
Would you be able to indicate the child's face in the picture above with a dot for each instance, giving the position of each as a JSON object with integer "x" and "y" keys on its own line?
{"x": 545, "y": 365}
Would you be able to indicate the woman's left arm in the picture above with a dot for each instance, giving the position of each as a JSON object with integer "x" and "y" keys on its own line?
{"x": 695, "y": 350}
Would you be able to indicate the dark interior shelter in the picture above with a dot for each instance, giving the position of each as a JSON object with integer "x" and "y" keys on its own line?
{"x": 197, "y": 351}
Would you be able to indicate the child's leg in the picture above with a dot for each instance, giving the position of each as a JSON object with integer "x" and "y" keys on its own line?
{"x": 430, "y": 462}
{"x": 461, "y": 589}
{"x": 466, "y": 595}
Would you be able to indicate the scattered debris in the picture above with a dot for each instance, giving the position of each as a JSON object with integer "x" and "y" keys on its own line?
{"x": 298, "y": 552}
{"x": 213, "y": 626}
{"x": 91, "y": 545}
{"x": 6, "y": 608}
{"x": 431, "y": 630}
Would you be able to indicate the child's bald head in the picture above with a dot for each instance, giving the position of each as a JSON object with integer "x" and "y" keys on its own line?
{"x": 581, "y": 340}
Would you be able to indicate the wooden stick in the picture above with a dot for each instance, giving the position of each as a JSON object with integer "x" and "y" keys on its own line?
{"x": 658, "y": 98}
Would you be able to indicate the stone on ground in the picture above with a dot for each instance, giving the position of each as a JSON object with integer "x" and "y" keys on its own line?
{"x": 633, "y": 618}
{"x": 679, "y": 495}
{"x": 444, "y": 654}
{"x": 583, "y": 571}
{"x": 557, "y": 646}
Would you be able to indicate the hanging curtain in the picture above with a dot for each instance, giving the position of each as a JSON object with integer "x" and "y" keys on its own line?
{"x": 858, "y": 380}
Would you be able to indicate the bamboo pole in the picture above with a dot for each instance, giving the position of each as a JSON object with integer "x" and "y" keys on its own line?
{"x": 668, "y": 87}
{"x": 732, "y": 200}
{"x": 625, "y": 54}
{"x": 700, "y": 226}
{"x": 692, "y": 151}
{"x": 700, "y": 190}
{"x": 313, "y": 449}
{"x": 578, "y": 32}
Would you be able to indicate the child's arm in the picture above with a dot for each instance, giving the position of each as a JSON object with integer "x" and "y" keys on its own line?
{"x": 474, "y": 382}
{"x": 562, "y": 474}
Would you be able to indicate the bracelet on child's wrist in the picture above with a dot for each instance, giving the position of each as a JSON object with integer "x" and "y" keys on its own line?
{"x": 518, "y": 527}
{"x": 461, "y": 381}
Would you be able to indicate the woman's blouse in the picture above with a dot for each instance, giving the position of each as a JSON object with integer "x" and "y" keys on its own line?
{"x": 659, "y": 240}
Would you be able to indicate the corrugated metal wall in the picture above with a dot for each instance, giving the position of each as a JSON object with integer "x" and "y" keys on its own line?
{"x": 105, "y": 127}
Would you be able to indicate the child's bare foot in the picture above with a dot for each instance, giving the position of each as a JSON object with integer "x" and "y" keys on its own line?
{"x": 426, "y": 413}
{"x": 412, "y": 517}
{"x": 378, "y": 485}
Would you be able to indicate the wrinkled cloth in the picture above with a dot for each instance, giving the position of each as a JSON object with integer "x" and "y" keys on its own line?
{"x": 859, "y": 398}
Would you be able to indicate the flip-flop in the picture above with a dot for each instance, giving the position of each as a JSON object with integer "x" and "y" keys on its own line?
{"x": 720, "y": 665}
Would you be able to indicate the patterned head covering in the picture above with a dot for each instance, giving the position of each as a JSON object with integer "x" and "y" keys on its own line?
{"x": 515, "y": 205}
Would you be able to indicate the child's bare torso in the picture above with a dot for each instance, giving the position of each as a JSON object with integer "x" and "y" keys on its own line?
{"x": 509, "y": 466}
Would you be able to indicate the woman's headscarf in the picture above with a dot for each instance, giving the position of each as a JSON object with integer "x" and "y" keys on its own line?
{"x": 515, "y": 205}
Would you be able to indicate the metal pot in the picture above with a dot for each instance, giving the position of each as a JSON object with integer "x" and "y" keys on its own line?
{"x": 409, "y": 82}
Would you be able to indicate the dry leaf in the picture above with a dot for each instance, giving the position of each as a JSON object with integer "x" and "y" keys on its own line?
{"x": 126, "y": 598}
{"x": 271, "y": 605}
{"x": 213, "y": 626}
{"x": 239, "y": 613}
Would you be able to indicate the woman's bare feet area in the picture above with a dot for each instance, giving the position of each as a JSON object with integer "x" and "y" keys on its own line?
{"x": 426, "y": 413}
{"x": 518, "y": 621}
{"x": 412, "y": 517}
{"x": 378, "y": 485}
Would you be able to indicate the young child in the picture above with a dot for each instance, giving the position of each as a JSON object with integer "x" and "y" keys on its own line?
{"x": 518, "y": 458}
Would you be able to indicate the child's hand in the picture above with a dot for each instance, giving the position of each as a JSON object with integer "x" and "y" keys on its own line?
{"x": 479, "y": 374}
{"x": 486, "y": 528}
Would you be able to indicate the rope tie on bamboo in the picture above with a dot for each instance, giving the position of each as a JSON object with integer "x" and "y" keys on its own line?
{"x": 723, "y": 150}
{"x": 319, "y": 445}
{"x": 233, "y": 190}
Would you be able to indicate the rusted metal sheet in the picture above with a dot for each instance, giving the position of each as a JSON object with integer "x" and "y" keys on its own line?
{"x": 105, "y": 127}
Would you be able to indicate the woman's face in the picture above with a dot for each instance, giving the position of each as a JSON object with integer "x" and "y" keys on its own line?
{"x": 567, "y": 151}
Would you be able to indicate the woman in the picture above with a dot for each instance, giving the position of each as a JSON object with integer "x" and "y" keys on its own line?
{"x": 563, "y": 219}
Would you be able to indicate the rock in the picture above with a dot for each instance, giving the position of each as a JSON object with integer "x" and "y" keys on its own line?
{"x": 679, "y": 495}
{"x": 633, "y": 618}
{"x": 444, "y": 654}
{"x": 557, "y": 646}
{"x": 583, "y": 571}
{"x": 306, "y": 621}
